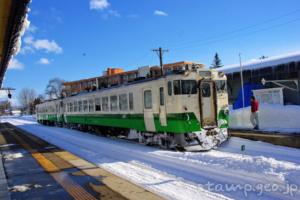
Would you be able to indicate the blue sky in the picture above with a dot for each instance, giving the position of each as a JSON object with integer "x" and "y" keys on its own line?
{"x": 79, "y": 40}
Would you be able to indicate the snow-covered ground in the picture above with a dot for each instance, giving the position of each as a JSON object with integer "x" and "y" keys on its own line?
{"x": 283, "y": 119}
{"x": 262, "y": 171}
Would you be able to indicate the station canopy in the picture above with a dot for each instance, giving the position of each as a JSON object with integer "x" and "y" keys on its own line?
{"x": 13, "y": 16}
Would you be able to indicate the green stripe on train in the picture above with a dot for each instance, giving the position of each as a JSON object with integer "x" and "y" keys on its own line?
{"x": 176, "y": 123}
{"x": 50, "y": 117}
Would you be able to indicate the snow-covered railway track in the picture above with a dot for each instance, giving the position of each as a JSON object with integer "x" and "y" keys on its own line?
{"x": 176, "y": 175}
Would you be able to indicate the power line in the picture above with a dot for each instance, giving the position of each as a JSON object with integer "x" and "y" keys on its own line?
{"x": 237, "y": 30}
{"x": 237, "y": 36}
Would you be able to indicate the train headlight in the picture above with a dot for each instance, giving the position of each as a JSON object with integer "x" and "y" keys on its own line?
{"x": 226, "y": 110}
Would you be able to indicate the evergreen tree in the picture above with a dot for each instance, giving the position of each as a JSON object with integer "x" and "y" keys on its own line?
{"x": 216, "y": 62}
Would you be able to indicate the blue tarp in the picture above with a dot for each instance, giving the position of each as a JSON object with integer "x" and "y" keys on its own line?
{"x": 248, "y": 87}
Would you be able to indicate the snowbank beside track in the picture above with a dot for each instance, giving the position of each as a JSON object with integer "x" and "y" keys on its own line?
{"x": 283, "y": 119}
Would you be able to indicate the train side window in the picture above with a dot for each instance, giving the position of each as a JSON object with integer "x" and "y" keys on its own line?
{"x": 188, "y": 87}
{"x": 105, "y": 103}
{"x": 85, "y": 106}
{"x": 123, "y": 102}
{"x": 177, "y": 87}
{"x": 80, "y": 106}
{"x": 75, "y": 106}
{"x": 205, "y": 90}
{"x": 161, "y": 96}
{"x": 170, "y": 88}
{"x": 91, "y": 105}
{"x": 148, "y": 99}
{"x": 71, "y": 107}
{"x": 130, "y": 101}
{"x": 97, "y": 104}
{"x": 113, "y": 103}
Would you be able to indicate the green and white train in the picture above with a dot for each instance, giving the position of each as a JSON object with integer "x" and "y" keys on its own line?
{"x": 187, "y": 110}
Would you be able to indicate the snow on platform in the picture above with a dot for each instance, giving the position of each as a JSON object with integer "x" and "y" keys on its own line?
{"x": 262, "y": 171}
{"x": 272, "y": 118}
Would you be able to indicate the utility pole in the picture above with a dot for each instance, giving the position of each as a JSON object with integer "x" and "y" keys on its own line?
{"x": 160, "y": 52}
{"x": 242, "y": 80}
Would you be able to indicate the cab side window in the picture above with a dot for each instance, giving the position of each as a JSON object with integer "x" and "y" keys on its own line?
{"x": 177, "y": 87}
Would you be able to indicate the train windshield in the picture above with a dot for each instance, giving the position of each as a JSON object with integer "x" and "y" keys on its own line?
{"x": 189, "y": 86}
{"x": 185, "y": 87}
{"x": 221, "y": 86}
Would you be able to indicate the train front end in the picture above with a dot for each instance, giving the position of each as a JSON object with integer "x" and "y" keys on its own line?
{"x": 213, "y": 111}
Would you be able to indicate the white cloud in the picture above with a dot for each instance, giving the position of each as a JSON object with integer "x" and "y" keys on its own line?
{"x": 160, "y": 13}
{"x": 31, "y": 29}
{"x": 48, "y": 46}
{"x": 41, "y": 44}
{"x": 15, "y": 64}
{"x": 28, "y": 40}
{"x": 99, "y": 4}
{"x": 44, "y": 61}
{"x": 32, "y": 44}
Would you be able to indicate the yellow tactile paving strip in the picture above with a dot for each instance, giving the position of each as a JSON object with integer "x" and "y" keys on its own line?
{"x": 22, "y": 142}
{"x": 59, "y": 162}
{"x": 75, "y": 190}
{"x": 45, "y": 163}
{"x": 123, "y": 187}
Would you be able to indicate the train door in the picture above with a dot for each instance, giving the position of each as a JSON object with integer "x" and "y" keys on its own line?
{"x": 162, "y": 107}
{"x": 208, "y": 104}
{"x": 148, "y": 110}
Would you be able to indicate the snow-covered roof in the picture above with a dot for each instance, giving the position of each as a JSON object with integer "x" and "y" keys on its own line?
{"x": 261, "y": 63}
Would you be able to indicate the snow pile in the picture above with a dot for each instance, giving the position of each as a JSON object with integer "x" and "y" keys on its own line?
{"x": 12, "y": 156}
{"x": 279, "y": 118}
{"x": 261, "y": 63}
{"x": 24, "y": 187}
{"x": 20, "y": 188}
{"x": 6, "y": 145}
{"x": 185, "y": 175}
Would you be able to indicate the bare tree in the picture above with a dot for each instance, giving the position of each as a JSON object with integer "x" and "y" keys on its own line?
{"x": 54, "y": 88}
{"x": 26, "y": 99}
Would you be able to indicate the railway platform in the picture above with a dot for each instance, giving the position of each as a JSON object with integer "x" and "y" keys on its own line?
{"x": 31, "y": 168}
{"x": 289, "y": 140}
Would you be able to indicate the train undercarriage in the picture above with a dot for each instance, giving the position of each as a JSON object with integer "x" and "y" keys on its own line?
{"x": 196, "y": 141}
